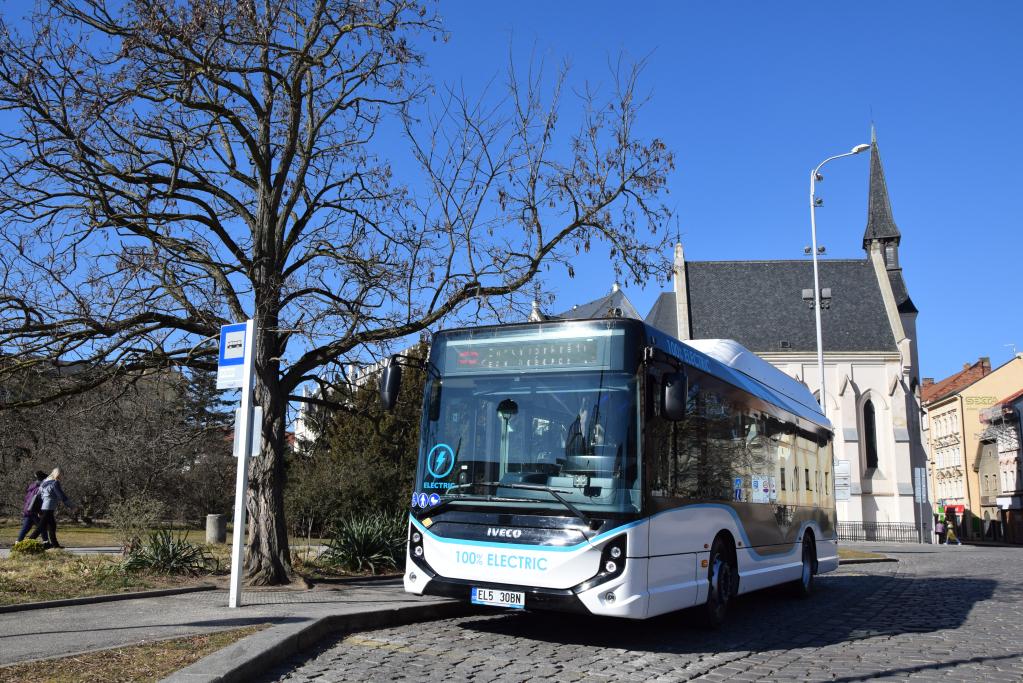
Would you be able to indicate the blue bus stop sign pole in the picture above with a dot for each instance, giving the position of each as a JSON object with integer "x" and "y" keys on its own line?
{"x": 237, "y": 346}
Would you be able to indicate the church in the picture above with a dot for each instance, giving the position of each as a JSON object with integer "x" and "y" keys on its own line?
{"x": 871, "y": 364}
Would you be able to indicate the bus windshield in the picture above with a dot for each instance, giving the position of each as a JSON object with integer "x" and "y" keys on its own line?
{"x": 510, "y": 439}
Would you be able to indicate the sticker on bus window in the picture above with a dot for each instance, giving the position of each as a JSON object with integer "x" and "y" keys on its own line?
{"x": 440, "y": 461}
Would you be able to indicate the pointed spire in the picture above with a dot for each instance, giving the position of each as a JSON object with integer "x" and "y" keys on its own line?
{"x": 880, "y": 222}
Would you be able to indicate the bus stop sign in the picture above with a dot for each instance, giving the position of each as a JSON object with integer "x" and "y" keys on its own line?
{"x": 231, "y": 365}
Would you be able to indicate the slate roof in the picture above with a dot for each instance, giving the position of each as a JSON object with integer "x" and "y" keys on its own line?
{"x": 759, "y": 304}
{"x": 880, "y": 222}
{"x": 663, "y": 315}
{"x": 953, "y": 384}
{"x": 902, "y": 299}
{"x": 604, "y": 307}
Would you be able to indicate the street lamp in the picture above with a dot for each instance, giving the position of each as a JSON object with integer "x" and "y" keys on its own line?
{"x": 814, "y": 202}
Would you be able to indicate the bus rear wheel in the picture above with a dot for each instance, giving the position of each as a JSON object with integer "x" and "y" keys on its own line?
{"x": 803, "y": 586}
{"x": 722, "y": 576}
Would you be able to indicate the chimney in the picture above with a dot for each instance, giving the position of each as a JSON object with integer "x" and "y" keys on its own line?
{"x": 928, "y": 381}
{"x": 985, "y": 363}
{"x": 966, "y": 366}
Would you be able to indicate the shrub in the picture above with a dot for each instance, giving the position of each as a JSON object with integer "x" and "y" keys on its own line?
{"x": 29, "y": 546}
{"x": 164, "y": 553}
{"x": 369, "y": 542}
{"x": 133, "y": 518}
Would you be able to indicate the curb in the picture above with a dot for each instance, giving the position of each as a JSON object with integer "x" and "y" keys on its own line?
{"x": 112, "y": 597}
{"x": 345, "y": 580}
{"x": 866, "y": 560}
{"x": 253, "y": 655}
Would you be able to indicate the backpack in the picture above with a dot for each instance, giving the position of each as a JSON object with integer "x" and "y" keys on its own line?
{"x": 37, "y": 502}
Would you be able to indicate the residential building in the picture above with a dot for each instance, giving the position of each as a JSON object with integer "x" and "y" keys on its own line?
{"x": 963, "y": 450}
{"x": 870, "y": 357}
{"x": 1005, "y": 432}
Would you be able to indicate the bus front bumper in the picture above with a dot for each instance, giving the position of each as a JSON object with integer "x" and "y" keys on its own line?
{"x": 623, "y": 596}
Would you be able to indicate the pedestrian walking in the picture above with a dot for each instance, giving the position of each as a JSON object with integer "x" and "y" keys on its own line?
{"x": 939, "y": 530}
{"x": 31, "y": 507}
{"x": 52, "y": 495}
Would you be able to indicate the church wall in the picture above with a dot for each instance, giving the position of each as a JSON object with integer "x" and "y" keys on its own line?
{"x": 884, "y": 494}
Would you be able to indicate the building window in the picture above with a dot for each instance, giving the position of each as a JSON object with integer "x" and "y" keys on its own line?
{"x": 892, "y": 256}
{"x": 869, "y": 435}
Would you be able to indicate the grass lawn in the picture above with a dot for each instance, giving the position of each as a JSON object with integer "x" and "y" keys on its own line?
{"x": 145, "y": 662}
{"x": 57, "y": 575}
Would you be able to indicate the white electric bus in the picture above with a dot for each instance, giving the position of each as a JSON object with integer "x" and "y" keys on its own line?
{"x": 601, "y": 466}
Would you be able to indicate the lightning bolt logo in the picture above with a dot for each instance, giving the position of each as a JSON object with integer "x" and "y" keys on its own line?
{"x": 439, "y": 464}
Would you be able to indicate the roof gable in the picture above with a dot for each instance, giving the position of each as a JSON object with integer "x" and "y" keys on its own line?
{"x": 613, "y": 305}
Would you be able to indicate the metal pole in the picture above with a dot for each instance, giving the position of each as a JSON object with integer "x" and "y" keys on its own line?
{"x": 816, "y": 277}
{"x": 242, "y": 479}
{"x": 817, "y": 287}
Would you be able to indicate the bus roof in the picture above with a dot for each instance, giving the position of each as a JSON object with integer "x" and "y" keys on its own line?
{"x": 737, "y": 365}
{"x": 722, "y": 358}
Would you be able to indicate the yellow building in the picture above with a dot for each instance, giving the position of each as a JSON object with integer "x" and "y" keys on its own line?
{"x": 953, "y": 429}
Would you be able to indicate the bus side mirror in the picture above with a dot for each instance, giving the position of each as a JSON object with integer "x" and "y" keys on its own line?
{"x": 390, "y": 383}
{"x": 676, "y": 393}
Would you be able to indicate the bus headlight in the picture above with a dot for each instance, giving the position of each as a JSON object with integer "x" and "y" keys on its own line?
{"x": 415, "y": 543}
{"x": 612, "y": 560}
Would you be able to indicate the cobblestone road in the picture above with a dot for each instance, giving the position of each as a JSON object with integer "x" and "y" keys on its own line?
{"x": 940, "y": 614}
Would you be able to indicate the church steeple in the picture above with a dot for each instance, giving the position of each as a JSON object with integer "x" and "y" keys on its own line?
{"x": 880, "y": 223}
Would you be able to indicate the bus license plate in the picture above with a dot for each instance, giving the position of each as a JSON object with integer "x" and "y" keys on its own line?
{"x": 489, "y": 596}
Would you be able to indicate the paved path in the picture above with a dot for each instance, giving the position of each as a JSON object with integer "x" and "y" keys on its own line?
{"x": 66, "y": 630}
{"x": 940, "y": 614}
{"x": 105, "y": 550}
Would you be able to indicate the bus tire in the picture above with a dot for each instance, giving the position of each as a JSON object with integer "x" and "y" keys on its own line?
{"x": 723, "y": 579}
{"x": 803, "y": 586}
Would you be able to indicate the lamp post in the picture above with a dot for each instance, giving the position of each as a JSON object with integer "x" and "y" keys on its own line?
{"x": 814, "y": 177}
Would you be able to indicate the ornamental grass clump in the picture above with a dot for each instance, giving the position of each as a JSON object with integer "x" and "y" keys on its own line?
{"x": 164, "y": 553}
{"x": 373, "y": 543}
{"x": 29, "y": 546}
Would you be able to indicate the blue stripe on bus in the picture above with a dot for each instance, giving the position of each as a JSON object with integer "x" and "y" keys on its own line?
{"x": 615, "y": 532}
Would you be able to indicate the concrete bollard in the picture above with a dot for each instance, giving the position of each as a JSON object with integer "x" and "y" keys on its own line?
{"x": 216, "y": 528}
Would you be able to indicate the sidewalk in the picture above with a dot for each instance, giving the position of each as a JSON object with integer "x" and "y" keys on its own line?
{"x": 65, "y": 631}
{"x": 103, "y": 550}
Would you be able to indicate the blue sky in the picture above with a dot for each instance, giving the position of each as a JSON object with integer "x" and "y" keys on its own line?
{"x": 751, "y": 96}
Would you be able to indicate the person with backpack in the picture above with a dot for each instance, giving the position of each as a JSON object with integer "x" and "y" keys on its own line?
{"x": 52, "y": 495}
{"x": 30, "y": 509}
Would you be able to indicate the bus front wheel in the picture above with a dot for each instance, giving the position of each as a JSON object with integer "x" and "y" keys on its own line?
{"x": 722, "y": 576}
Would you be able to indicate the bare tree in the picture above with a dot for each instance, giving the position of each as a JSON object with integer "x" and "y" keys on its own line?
{"x": 179, "y": 165}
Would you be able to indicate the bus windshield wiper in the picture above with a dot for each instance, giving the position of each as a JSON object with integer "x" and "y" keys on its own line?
{"x": 540, "y": 487}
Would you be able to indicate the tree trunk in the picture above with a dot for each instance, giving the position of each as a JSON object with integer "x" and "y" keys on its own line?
{"x": 267, "y": 555}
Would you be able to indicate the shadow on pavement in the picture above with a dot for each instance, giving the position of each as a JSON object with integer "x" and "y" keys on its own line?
{"x": 843, "y": 608}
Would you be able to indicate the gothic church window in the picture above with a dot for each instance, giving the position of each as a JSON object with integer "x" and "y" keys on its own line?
{"x": 869, "y": 435}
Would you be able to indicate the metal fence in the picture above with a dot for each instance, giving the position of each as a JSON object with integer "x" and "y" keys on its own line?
{"x": 890, "y": 532}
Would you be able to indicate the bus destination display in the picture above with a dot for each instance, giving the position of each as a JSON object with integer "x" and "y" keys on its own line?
{"x": 524, "y": 355}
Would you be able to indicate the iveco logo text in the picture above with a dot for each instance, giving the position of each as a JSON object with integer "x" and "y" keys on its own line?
{"x": 504, "y": 533}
